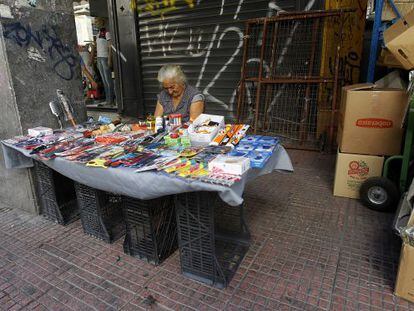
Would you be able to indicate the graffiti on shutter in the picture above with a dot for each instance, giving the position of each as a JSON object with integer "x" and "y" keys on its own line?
{"x": 206, "y": 39}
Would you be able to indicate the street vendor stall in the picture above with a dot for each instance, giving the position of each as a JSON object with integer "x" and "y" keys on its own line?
{"x": 154, "y": 170}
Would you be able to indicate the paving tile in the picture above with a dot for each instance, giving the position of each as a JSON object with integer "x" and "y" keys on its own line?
{"x": 309, "y": 251}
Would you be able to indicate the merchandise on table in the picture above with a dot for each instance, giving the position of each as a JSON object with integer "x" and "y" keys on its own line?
{"x": 175, "y": 120}
{"x": 220, "y": 178}
{"x": 205, "y": 128}
{"x": 206, "y": 151}
{"x": 232, "y": 165}
{"x": 230, "y": 136}
{"x": 40, "y": 131}
{"x": 257, "y": 148}
{"x": 159, "y": 124}
{"x": 238, "y": 135}
{"x": 112, "y": 138}
{"x": 104, "y": 120}
{"x": 258, "y": 159}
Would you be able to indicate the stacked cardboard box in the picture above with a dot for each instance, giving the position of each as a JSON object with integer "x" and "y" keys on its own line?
{"x": 403, "y": 6}
{"x": 370, "y": 127}
{"x": 399, "y": 40}
{"x": 404, "y": 285}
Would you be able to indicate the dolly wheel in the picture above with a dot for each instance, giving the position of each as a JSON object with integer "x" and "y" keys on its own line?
{"x": 379, "y": 194}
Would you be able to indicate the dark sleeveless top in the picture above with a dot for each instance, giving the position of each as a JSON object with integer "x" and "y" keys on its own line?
{"x": 191, "y": 95}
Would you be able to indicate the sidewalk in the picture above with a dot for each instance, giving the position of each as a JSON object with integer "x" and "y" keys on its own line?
{"x": 310, "y": 251}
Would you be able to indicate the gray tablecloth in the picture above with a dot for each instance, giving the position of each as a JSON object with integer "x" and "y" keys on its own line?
{"x": 145, "y": 185}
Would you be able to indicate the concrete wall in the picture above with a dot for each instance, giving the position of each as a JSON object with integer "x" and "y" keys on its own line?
{"x": 37, "y": 56}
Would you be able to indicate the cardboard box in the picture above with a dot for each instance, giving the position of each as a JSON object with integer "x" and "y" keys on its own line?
{"x": 371, "y": 119}
{"x": 201, "y": 139}
{"x": 229, "y": 164}
{"x": 403, "y": 6}
{"x": 399, "y": 40}
{"x": 404, "y": 286}
{"x": 387, "y": 59}
{"x": 352, "y": 170}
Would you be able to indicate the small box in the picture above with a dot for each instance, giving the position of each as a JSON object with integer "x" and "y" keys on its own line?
{"x": 269, "y": 140}
{"x": 258, "y": 159}
{"x": 352, "y": 170}
{"x": 265, "y": 148}
{"x": 371, "y": 119}
{"x": 399, "y": 40}
{"x": 245, "y": 147}
{"x": 201, "y": 139}
{"x": 40, "y": 131}
{"x": 230, "y": 164}
{"x": 404, "y": 285}
{"x": 249, "y": 139}
{"x": 237, "y": 153}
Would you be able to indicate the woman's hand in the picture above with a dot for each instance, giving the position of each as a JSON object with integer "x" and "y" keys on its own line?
{"x": 196, "y": 109}
{"x": 159, "y": 110}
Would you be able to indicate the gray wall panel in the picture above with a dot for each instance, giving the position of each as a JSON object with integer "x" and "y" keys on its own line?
{"x": 37, "y": 56}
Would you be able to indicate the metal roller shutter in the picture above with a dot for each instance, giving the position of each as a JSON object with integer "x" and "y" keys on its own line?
{"x": 206, "y": 39}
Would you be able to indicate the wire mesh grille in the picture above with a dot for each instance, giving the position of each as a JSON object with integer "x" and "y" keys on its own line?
{"x": 56, "y": 194}
{"x": 288, "y": 108}
{"x": 213, "y": 237}
{"x": 100, "y": 213}
{"x": 151, "y": 228}
{"x": 290, "y": 76}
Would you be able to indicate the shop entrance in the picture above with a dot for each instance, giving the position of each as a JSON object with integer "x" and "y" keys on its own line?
{"x": 108, "y": 45}
{"x": 96, "y": 57}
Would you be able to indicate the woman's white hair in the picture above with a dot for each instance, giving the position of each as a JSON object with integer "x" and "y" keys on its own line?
{"x": 172, "y": 72}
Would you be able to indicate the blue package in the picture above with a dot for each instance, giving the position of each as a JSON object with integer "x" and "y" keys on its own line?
{"x": 237, "y": 153}
{"x": 104, "y": 120}
{"x": 245, "y": 147}
{"x": 268, "y": 140}
{"x": 250, "y": 139}
{"x": 266, "y": 148}
{"x": 258, "y": 159}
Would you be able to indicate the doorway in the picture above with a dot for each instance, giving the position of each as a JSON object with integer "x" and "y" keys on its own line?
{"x": 96, "y": 56}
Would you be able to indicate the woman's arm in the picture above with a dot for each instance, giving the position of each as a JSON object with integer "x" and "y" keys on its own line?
{"x": 89, "y": 76}
{"x": 159, "y": 110}
{"x": 196, "y": 109}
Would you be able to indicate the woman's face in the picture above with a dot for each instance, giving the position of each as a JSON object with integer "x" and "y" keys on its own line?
{"x": 174, "y": 88}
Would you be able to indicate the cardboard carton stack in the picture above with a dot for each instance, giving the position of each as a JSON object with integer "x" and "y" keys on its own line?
{"x": 404, "y": 285}
{"x": 403, "y": 6}
{"x": 370, "y": 127}
{"x": 399, "y": 42}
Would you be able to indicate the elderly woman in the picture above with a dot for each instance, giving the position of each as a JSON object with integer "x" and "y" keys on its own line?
{"x": 177, "y": 96}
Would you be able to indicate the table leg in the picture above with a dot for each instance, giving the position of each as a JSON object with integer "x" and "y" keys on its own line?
{"x": 151, "y": 228}
{"x": 210, "y": 252}
{"x": 56, "y": 195}
{"x": 100, "y": 213}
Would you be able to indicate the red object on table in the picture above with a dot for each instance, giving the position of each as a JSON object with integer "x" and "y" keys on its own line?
{"x": 109, "y": 139}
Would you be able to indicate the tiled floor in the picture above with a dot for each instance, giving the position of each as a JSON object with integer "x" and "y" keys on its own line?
{"x": 310, "y": 251}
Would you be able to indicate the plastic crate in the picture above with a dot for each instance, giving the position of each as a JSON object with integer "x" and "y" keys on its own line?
{"x": 210, "y": 251}
{"x": 100, "y": 213}
{"x": 229, "y": 221}
{"x": 151, "y": 228}
{"x": 56, "y": 195}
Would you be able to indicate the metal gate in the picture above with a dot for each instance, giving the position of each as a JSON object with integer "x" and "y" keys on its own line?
{"x": 290, "y": 91}
{"x": 206, "y": 39}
